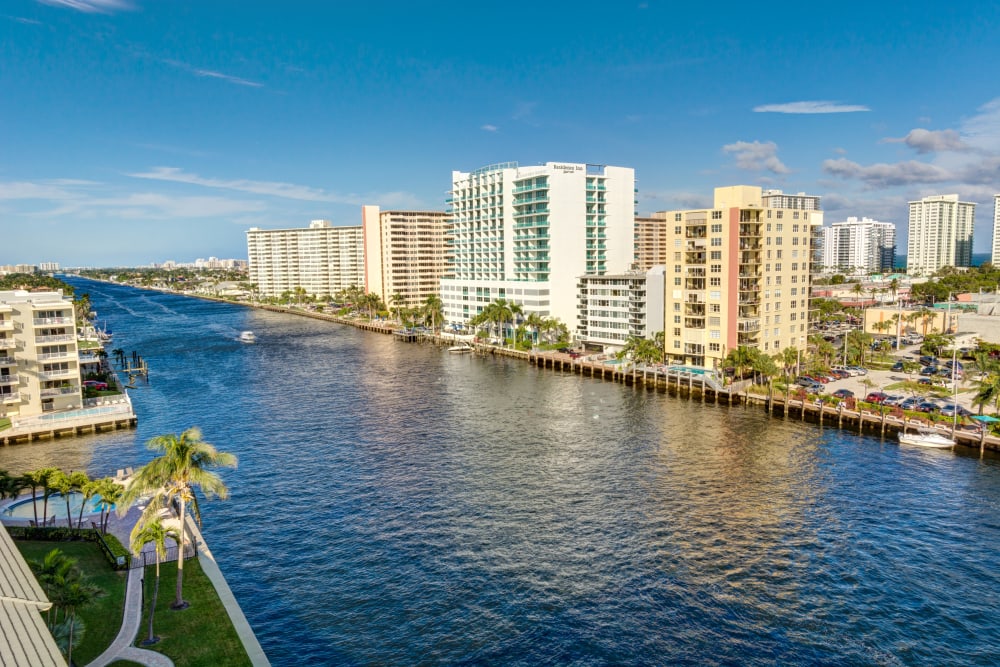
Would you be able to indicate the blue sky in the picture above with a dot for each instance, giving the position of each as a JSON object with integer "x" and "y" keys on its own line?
{"x": 137, "y": 131}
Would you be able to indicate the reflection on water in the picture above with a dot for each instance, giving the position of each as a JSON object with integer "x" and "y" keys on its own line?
{"x": 395, "y": 504}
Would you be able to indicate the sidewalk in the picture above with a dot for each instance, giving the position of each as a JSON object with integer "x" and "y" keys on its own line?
{"x": 121, "y": 648}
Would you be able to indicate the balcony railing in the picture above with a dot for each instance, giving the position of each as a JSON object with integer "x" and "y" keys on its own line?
{"x": 55, "y": 375}
{"x": 7, "y": 343}
{"x": 42, "y": 321}
{"x": 58, "y": 391}
{"x": 7, "y": 361}
{"x": 747, "y": 326}
{"x": 10, "y": 398}
{"x": 6, "y": 325}
{"x": 9, "y": 380}
{"x": 54, "y": 355}
{"x": 55, "y": 338}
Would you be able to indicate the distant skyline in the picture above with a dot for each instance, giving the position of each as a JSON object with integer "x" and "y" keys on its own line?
{"x": 134, "y": 131}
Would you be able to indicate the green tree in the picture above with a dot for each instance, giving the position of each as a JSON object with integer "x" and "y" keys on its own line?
{"x": 741, "y": 359}
{"x": 152, "y": 531}
{"x": 35, "y": 480}
{"x": 434, "y": 311}
{"x": 185, "y": 464}
{"x": 397, "y": 301}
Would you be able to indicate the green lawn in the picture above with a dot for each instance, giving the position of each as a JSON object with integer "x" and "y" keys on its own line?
{"x": 4, "y": 423}
{"x": 103, "y": 617}
{"x": 202, "y": 634}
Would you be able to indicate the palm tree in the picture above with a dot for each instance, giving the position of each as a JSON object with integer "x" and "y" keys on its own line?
{"x": 37, "y": 479}
{"x": 70, "y": 595}
{"x": 434, "y": 309}
{"x": 741, "y": 359}
{"x": 87, "y": 488}
{"x": 172, "y": 478}
{"x": 154, "y": 532}
{"x": 894, "y": 287}
{"x": 111, "y": 494}
{"x": 397, "y": 300}
{"x": 534, "y": 322}
{"x": 63, "y": 485}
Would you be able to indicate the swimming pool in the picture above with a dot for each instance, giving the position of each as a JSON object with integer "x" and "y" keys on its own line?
{"x": 24, "y": 509}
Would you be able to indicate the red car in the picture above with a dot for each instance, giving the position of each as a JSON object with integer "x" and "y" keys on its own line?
{"x": 96, "y": 384}
{"x": 876, "y": 397}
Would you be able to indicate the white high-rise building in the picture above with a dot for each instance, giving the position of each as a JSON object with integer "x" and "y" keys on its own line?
{"x": 800, "y": 201}
{"x": 859, "y": 246}
{"x": 321, "y": 259}
{"x": 995, "y": 257}
{"x": 525, "y": 234}
{"x": 940, "y": 234}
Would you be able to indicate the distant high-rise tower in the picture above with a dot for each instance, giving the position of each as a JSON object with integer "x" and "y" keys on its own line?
{"x": 995, "y": 258}
{"x": 861, "y": 246}
{"x": 321, "y": 259}
{"x": 940, "y": 234}
{"x": 650, "y": 242}
{"x": 526, "y": 234}
{"x": 778, "y": 199}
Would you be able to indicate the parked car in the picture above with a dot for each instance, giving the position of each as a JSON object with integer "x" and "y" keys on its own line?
{"x": 928, "y": 370}
{"x": 926, "y": 406}
{"x": 809, "y": 384}
{"x": 96, "y": 384}
{"x": 839, "y": 374}
{"x": 843, "y": 393}
{"x": 857, "y": 370}
{"x": 950, "y": 409}
{"x": 911, "y": 403}
{"x": 898, "y": 367}
{"x": 924, "y": 381}
{"x": 876, "y": 397}
{"x": 893, "y": 399}
{"x": 926, "y": 360}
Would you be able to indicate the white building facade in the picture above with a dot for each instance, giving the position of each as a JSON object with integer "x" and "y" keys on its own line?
{"x": 940, "y": 234}
{"x": 859, "y": 246}
{"x": 321, "y": 259}
{"x": 39, "y": 357}
{"x": 995, "y": 256}
{"x": 616, "y": 307}
{"x": 799, "y": 201}
{"x": 524, "y": 234}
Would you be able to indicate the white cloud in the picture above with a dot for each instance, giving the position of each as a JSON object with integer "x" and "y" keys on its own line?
{"x": 490, "y": 128}
{"x": 810, "y": 106}
{"x": 269, "y": 188}
{"x": 930, "y": 141}
{"x": 90, "y": 6}
{"x": 757, "y": 156}
{"x": 226, "y": 77}
{"x": 52, "y": 189}
{"x": 887, "y": 175}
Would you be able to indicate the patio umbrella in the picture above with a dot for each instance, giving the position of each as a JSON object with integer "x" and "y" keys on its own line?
{"x": 986, "y": 419}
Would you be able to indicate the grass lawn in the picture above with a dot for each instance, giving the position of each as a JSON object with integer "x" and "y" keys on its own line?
{"x": 202, "y": 634}
{"x": 4, "y": 423}
{"x": 103, "y": 617}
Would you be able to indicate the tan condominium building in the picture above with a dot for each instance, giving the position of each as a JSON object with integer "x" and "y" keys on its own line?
{"x": 406, "y": 254}
{"x": 650, "y": 242}
{"x": 321, "y": 259}
{"x": 737, "y": 275}
{"x": 39, "y": 358}
{"x": 940, "y": 234}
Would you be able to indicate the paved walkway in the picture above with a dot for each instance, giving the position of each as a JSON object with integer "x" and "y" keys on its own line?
{"x": 121, "y": 648}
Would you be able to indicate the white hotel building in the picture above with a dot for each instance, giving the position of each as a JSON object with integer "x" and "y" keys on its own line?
{"x": 321, "y": 259}
{"x": 526, "y": 234}
{"x": 619, "y": 306}
{"x": 940, "y": 234}
{"x": 859, "y": 246}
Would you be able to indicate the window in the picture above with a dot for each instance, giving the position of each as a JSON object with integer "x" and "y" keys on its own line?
{"x": 779, "y": 227}
{"x": 677, "y": 242}
{"x": 769, "y": 214}
{"x": 714, "y": 334}
{"x": 767, "y": 268}
{"x": 715, "y": 294}
{"x": 717, "y": 241}
{"x": 777, "y": 267}
{"x": 714, "y": 321}
{"x": 777, "y": 331}
{"x": 714, "y": 347}
{"x": 768, "y": 224}
{"x": 716, "y": 254}
{"x": 777, "y": 241}
{"x": 769, "y": 254}
{"x": 777, "y": 280}
{"x": 677, "y": 268}
{"x": 777, "y": 294}
{"x": 795, "y": 240}
{"x": 795, "y": 291}
{"x": 677, "y": 217}
{"x": 779, "y": 254}
{"x": 677, "y": 231}
{"x": 792, "y": 318}
{"x": 677, "y": 257}
{"x": 778, "y": 214}
{"x": 677, "y": 319}
{"x": 677, "y": 307}
{"x": 794, "y": 279}
{"x": 795, "y": 266}
{"x": 714, "y": 308}
{"x": 677, "y": 331}
{"x": 795, "y": 228}
{"x": 716, "y": 229}
{"x": 677, "y": 345}
{"x": 795, "y": 215}
{"x": 677, "y": 281}
{"x": 715, "y": 268}
{"x": 716, "y": 215}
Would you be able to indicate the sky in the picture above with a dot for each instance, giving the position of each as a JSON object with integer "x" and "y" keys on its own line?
{"x": 140, "y": 131}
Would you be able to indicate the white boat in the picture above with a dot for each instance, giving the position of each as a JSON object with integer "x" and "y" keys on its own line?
{"x": 248, "y": 337}
{"x": 926, "y": 438}
{"x": 464, "y": 347}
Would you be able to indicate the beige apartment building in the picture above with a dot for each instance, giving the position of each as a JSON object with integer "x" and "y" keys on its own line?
{"x": 650, "y": 241}
{"x": 406, "y": 253}
{"x": 39, "y": 359}
{"x": 737, "y": 275}
{"x": 321, "y": 259}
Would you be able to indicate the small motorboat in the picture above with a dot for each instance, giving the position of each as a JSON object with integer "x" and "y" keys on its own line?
{"x": 464, "y": 347}
{"x": 926, "y": 438}
{"x": 248, "y": 337}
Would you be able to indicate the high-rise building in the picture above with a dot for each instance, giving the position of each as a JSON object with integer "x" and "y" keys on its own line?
{"x": 995, "y": 257}
{"x": 859, "y": 246}
{"x": 940, "y": 234}
{"x": 650, "y": 242}
{"x": 39, "y": 358}
{"x": 525, "y": 234}
{"x": 738, "y": 275}
{"x": 616, "y": 307}
{"x": 406, "y": 254}
{"x": 801, "y": 201}
{"x": 48, "y": 266}
{"x": 321, "y": 259}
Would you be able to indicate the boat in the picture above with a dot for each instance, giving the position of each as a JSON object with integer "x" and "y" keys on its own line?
{"x": 926, "y": 438}
{"x": 464, "y": 347}
{"x": 248, "y": 337}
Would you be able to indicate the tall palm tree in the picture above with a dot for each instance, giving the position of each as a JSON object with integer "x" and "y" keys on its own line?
{"x": 87, "y": 488}
{"x": 152, "y": 531}
{"x": 434, "y": 309}
{"x": 172, "y": 477}
{"x": 63, "y": 485}
{"x": 397, "y": 300}
{"x": 534, "y": 322}
{"x": 35, "y": 480}
{"x": 111, "y": 493}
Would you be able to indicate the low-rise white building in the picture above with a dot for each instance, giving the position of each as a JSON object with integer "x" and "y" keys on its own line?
{"x": 615, "y": 307}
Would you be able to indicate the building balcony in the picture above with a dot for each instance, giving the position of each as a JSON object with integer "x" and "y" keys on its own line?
{"x": 46, "y": 321}
{"x": 745, "y": 325}
{"x": 8, "y": 344}
{"x": 694, "y": 284}
{"x": 9, "y": 380}
{"x": 59, "y": 374}
{"x": 6, "y": 325}
{"x": 55, "y": 338}
{"x": 695, "y": 273}
{"x": 58, "y": 391}
{"x": 694, "y": 323}
{"x": 694, "y": 309}
{"x": 8, "y": 399}
{"x": 56, "y": 355}
{"x": 8, "y": 361}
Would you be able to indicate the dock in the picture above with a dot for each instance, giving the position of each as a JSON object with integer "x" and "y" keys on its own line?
{"x": 96, "y": 416}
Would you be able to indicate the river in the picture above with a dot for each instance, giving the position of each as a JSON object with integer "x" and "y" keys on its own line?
{"x": 395, "y": 504}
